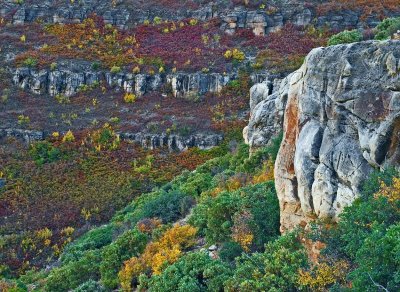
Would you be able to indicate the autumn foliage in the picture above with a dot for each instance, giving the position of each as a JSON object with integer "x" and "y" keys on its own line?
{"x": 158, "y": 254}
{"x": 366, "y": 7}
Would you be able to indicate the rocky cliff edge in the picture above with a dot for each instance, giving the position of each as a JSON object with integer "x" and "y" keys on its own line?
{"x": 340, "y": 115}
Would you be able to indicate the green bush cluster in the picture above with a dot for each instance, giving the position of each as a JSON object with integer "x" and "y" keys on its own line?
{"x": 275, "y": 269}
{"x": 94, "y": 259}
{"x": 214, "y": 216}
{"x": 345, "y": 37}
{"x": 193, "y": 272}
{"x": 74, "y": 273}
{"x": 387, "y": 28}
{"x": 44, "y": 152}
{"x": 130, "y": 243}
{"x": 367, "y": 236}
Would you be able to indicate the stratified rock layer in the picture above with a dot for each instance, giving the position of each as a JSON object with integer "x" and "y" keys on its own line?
{"x": 341, "y": 120}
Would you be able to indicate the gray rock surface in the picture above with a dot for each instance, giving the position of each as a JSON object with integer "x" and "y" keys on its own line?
{"x": 126, "y": 14}
{"x": 68, "y": 79}
{"x": 341, "y": 121}
{"x": 267, "y": 105}
{"x": 146, "y": 140}
{"x": 173, "y": 142}
{"x": 120, "y": 13}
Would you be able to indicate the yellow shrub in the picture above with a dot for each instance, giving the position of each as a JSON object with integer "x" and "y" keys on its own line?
{"x": 68, "y": 137}
{"x": 238, "y": 55}
{"x": 129, "y": 98}
{"x": 323, "y": 276}
{"x": 44, "y": 233}
{"x": 392, "y": 193}
{"x": 136, "y": 70}
{"x": 193, "y": 21}
{"x": 234, "y": 54}
{"x": 266, "y": 174}
{"x": 132, "y": 267}
{"x": 241, "y": 231}
{"x": 166, "y": 250}
{"x": 228, "y": 54}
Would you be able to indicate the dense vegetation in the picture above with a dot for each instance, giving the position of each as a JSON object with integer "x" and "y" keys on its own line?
{"x": 85, "y": 211}
{"x": 159, "y": 241}
{"x": 58, "y": 189}
{"x": 385, "y": 30}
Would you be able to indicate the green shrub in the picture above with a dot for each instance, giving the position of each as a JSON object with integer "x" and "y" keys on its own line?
{"x": 378, "y": 260}
{"x": 230, "y": 251}
{"x": 193, "y": 272}
{"x": 91, "y": 240}
{"x": 30, "y": 62}
{"x": 115, "y": 69}
{"x": 129, "y": 244}
{"x": 214, "y": 216}
{"x": 90, "y": 286}
{"x": 95, "y": 66}
{"x": 387, "y": 28}
{"x": 345, "y": 37}
{"x": 44, "y": 152}
{"x": 196, "y": 184}
{"x": 168, "y": 206}
{"x": 73, "y": 274}
{"x": 276, "y": 269}
{"x": 367, "y": 237}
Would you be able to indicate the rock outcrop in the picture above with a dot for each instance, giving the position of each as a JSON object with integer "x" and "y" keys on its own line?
{"x": 68, "y": 79}
{"x": 120, "y": 13}
{"x": 171, "y": 142}
{"x": 267, "y": 106}
{"x": 126, "y": 14}
{"x": 341, "y": 121}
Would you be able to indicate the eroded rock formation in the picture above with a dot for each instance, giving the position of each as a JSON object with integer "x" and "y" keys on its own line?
{"x": 70, "y": 79}
{"x": 171, "y": 142}
{"x": 341, "y": 121}
{"x": 126, "y": 14}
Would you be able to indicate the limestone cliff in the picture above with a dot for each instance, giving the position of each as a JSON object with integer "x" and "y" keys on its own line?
{"x": 125, "y": 14}
{"x": 341, "y": 121}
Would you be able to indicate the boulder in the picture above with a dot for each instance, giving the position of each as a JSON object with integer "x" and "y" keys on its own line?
{"x": 340, "y": 114}
{"x": 341, "y": 121}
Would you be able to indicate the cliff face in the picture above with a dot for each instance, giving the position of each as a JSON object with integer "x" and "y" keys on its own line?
{"x": 341, "y": 120}
{"x": 71, "y": 78}
{"x": 128, "y": 13}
